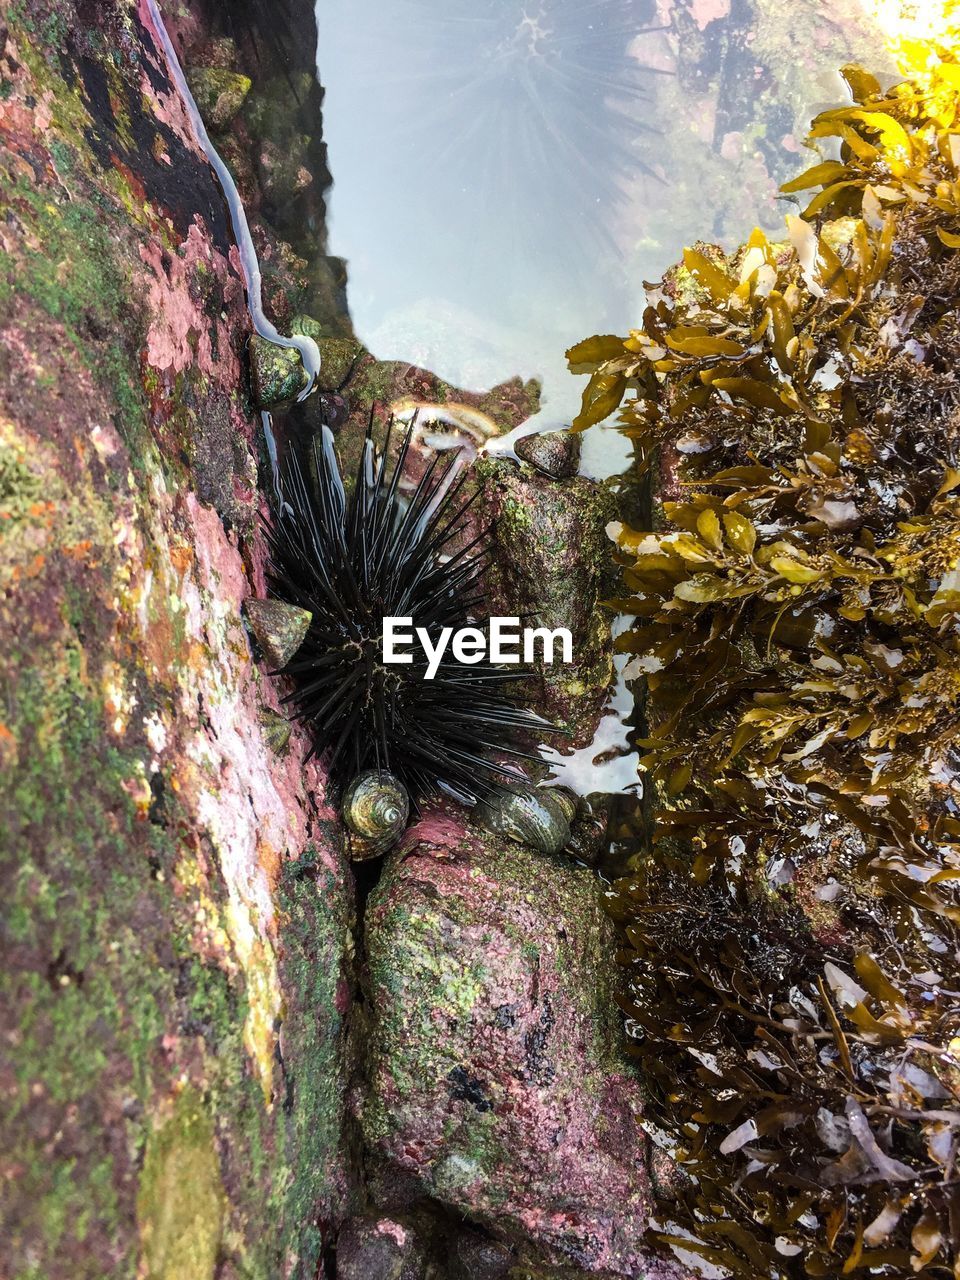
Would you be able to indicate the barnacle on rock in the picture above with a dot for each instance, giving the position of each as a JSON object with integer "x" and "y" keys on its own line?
{"x": 353, "y": 560}
{"x": 791, "y": 935}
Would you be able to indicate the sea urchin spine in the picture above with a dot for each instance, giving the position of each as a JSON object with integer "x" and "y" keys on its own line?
{"x": 353, "y": 561}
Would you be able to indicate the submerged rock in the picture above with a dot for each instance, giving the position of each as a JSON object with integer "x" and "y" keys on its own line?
{"x": 552, "y": 563}
{"x": 337, "y": 356}
{"x": 588, "y": 832}
{"x": 283, "y": 174}
{"x": 276, "y": 373}
{"x": 494, "y": 1070}
{"x": 555, "y": 453}
{"x": 478, "y": 1257}
{"x": 218, "y": 93}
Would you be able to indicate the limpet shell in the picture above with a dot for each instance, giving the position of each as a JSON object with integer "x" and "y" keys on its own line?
{"x": 280, "y": 628}
{"x": 554, "y": 453}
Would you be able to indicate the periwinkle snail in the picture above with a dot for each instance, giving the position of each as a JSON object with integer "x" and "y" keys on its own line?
{"x": 538, "y": 817}
{"x": 375, "y": 810}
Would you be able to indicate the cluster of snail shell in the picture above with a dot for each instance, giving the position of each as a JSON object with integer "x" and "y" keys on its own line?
{"x": 376, "y": 808}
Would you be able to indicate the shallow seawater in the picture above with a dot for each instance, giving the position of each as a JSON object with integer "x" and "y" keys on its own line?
{"x": 508, "y": 173}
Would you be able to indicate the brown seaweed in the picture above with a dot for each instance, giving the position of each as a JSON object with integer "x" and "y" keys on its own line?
{"x": 791, "y": 935}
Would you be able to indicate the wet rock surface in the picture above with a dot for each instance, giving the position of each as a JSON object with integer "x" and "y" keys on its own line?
{"x": 277, "y": 374}
{"x": 552, "y": 563}
{"x": 177, "y": 916}
{"x": 380, "y": 1248}
{"x": 493, "y": 1067}
{"x": 555, "y": 453}
{"x": 218, "y": 93}
{"x": 337, "y": 356}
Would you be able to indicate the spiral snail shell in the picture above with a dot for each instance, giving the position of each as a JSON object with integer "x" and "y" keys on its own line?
{"x": 375, "y": 810}
{"x": 535, "y": 816}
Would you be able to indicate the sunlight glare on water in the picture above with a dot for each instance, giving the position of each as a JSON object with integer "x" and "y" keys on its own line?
{"x": 508, "y": 172}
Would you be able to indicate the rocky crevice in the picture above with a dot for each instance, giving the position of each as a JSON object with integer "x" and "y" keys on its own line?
{"x": 191, "y": 1072}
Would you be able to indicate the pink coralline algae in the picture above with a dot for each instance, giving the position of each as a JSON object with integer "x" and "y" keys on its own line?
{"x": 495, "y": 1077}
{"x": 180, "y": 335}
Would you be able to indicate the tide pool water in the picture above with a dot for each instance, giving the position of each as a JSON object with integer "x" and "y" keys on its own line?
{"x": 508, "y": 173}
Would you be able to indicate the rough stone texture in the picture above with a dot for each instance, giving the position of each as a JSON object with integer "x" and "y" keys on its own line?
{"x": 552, "y": 562}
{"x": 218, "y": 93}
{"x": 175, "y": 912}
{"x": 556, "y": 453}
{"x": 276, "y": 373}
{"x": 476, "y": 1258}
{"x": 374, "y": 1248}
{"x": 493, "y": 1061}
{"x": 337, "y": 356}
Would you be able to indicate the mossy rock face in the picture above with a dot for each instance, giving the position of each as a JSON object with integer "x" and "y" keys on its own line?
{"x": 277, "y": 375}
{"x": 174, "y": 903}
{"x": 337, "y": 359}
{"x": 180, "y": 1204}
{"x": 493, "y": 1060}
{"x": 218, "y": 93}
{"x": 552, "y": 564}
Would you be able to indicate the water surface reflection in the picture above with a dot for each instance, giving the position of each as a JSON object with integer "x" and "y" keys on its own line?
{"x": 507, "y": 172}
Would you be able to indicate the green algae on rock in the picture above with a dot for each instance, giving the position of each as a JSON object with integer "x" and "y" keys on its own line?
{"x": 180, "y": 1202}
{"x": 551, "y": 564}
{"x": 218, "y": 93}
{"x": 337, "y": 356}
{"x": 154, "y": 957}
{"x": 790, "y": 939}
{"x": 277, "y": 375}
{"x": 494, "y": 1069}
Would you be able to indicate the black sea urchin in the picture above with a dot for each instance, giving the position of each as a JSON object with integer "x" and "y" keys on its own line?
{"x": 352, "y": 561}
